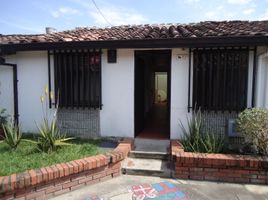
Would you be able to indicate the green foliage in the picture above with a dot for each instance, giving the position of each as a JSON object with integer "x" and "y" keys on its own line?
{"x": 27, "y": 157}
{"x": 3, "y": 117}
{"x": 253, "y": 123}
{"x": 50, "y": 137}
{"x": 12, "y": 134}
{"x": 196, "y": 140}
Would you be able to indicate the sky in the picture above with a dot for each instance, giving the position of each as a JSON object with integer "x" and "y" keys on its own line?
{"x": 32, "y": 16}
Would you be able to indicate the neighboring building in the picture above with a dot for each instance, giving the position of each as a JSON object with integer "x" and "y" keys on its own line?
{"x": 129, "y": 81}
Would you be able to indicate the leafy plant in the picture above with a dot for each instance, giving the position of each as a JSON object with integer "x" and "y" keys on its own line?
{"x": 12, "y": 134}
{"x": 194, "y": 139}
{"x": 253, "y": 123}
{"x": 50, "y": 137}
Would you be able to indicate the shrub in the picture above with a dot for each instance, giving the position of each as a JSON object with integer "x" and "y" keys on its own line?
{"x": 194, "y": 139}
{"x": 253, "y": 123}
{"x": 12, "y": 134}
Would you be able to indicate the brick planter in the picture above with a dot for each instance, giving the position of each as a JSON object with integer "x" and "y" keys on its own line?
{"x": 219, "y": 167}
{"x": 64, "y": 177}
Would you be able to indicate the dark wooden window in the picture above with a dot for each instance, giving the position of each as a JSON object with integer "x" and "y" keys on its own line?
{"x": 220, "y": 79}
{"x": 78, "y": 78}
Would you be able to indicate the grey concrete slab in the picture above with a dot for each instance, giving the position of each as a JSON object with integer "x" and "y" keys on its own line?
{"x": 147, "y": 167}
{"x": 150, "y": 145}
{"x": 118, "y": 189}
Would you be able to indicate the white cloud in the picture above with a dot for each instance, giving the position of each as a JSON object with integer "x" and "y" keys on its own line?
{"x": 63, "y": 11}
{"x": 241, "y": 2}
{"x": 264, "y": 16}
{"x": 191, "y": 1}
{"x": 248, "y": 11}
{"x": 117, "y": 16}
{"x": 215, "y": 12}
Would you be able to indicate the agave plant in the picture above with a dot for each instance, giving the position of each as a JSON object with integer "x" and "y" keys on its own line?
{"x": 50, "y": 137}
{"x": 12, "y": 134}
{"x": 195, "y": 139}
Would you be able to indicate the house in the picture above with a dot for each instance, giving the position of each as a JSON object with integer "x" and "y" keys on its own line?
{"x": 137, "y": 81}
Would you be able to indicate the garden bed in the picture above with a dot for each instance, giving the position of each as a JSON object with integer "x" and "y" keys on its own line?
{"x": 219, "y": 167}
{"x": 63, "y": 177}
{"x": 26, "y": 156}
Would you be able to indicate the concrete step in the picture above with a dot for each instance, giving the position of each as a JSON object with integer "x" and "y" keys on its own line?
{"x": 150, "y": 145}
{"x": 146, "y": 167}
{"x": 149, "y": 155}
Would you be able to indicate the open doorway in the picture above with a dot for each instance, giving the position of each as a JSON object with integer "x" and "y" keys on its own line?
{"x": 152, "y": 94}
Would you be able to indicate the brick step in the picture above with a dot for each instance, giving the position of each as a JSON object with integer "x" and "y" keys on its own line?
{"x": 147, "y": 167}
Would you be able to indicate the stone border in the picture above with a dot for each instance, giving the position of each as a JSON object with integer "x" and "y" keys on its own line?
{"x": 64, "y": 177}
{"x": 219, "y": 167}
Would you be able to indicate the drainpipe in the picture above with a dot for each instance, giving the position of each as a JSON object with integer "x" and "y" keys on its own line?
{"x": 15, "y": 87}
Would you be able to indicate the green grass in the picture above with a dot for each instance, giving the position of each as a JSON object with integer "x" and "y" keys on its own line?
{"x": 26, "y": 156}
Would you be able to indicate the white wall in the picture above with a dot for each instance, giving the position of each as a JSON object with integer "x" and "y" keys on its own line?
{"x": 32, "y": 78}
{"x": 6, "y": 89}
{"x": 179, "y": 91}
{"x": 117, "y": 115}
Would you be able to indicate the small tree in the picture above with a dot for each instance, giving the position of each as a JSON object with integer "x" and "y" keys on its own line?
{"x": 253, "y": 123}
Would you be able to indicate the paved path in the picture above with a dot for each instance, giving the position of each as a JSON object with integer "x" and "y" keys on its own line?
{"x": 122, "y": 188}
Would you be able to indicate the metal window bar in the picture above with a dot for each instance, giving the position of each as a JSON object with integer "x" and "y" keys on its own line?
{"x": 227, "y": 90}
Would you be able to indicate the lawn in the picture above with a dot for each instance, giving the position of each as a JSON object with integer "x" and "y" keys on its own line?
{"x": 26, "y": 156}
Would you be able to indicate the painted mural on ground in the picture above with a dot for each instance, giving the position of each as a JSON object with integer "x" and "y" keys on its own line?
{"x": 156, "y": 191}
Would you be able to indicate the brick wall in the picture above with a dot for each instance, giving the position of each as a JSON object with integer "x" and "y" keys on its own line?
{"x": 83, "y": 123}
{"x": 219, "y": 167}
{"x": 64, "y": 177}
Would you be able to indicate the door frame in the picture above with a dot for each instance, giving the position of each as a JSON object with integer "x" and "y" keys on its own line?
{"x": 169, "y": 54}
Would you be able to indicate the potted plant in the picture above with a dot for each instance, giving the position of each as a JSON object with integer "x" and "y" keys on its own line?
{"x": 3, "y": 121}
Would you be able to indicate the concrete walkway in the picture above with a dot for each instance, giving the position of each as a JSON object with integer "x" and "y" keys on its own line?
{"x": 119, "y": 189}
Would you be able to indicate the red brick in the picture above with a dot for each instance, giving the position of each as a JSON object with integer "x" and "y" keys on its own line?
{"x": 34, "y": 195}
{"x": 39, "y": 176}
{"x": 50, "y": 173}
{"x": 65, "y": 169}
{"x": 99, "y": 175}
{"x": 80, "y": 165}
{"x": 70, "y": 167}
{"x": 85, "y": 164}
{"x": 84, "y": 180}
{"x": 94, "y": 162}
{"x": 55, "y": 170}
{"x": 53, "y": 189}
{"x": 62, "y": 191}
{"x": 77, "y": 186}
{"x": 60, "y": 169}
{"x": 75, "y": 166}
{"x": 89, "y": 162}
{"x": 44, "y": 174}
{"x": 70, "y": 184}
{"x": 92, "y": 182}
{"x": 13, "y": 181}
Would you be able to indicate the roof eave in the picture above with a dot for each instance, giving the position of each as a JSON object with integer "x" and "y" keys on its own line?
{"x": 144, "y": 43}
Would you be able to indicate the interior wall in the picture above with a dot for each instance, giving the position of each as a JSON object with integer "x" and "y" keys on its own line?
{"x": 160, "y": 86}
{"x": 117, "y": 114}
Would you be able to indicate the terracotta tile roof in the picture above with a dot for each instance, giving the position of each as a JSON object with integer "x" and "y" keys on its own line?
{"x": 159, "y": 31}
